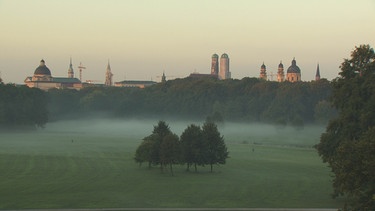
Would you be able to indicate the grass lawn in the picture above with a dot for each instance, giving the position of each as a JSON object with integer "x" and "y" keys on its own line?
{"x": 90, "y": 165}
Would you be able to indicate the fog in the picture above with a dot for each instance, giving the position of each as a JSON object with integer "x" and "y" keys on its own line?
{"x": 241, "y": 133}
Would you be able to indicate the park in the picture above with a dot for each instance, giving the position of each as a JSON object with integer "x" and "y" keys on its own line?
{"x": 90, "y": 164}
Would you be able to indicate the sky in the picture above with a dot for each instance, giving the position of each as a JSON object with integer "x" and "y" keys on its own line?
{"x": 144, "y": 38}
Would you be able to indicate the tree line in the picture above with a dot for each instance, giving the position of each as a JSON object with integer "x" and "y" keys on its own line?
{"x": 247, "y": 100}
{"x": 196, "y": 147}
{"x": 22, "y": 107}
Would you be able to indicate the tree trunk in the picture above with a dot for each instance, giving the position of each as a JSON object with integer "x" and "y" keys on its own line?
{"x": 211, "y": 167}
{"x": 195, "y": 166}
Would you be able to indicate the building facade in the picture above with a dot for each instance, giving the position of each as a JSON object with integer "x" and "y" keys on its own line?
{"x": 43, "y": 79}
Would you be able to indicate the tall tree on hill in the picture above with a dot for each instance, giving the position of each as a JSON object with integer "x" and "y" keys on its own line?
{"x": 217, "y": 152}
{"x": 348, "y": 145}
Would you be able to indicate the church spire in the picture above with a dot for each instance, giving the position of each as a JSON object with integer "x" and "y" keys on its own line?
{"x": 108, "y": 75}
{"x": 70, "y": 70}
{"x": 317, "y": 75}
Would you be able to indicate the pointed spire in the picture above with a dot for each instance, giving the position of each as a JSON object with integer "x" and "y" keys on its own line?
{"x": 70, "y": 70}
{"x": 108, "y": 66}
{"x": 317, "y": 75}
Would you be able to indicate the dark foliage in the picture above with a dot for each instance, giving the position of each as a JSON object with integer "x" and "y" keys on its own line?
{"x": 348, "y": 144}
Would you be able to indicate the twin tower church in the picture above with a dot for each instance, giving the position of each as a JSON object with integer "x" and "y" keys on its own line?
{"x": 293, "y": 73}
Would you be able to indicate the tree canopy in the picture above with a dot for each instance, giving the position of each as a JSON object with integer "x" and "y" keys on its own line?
{"x": 348, "y": 144}
{"x": 198, "y": 146}
{"x": 22, "y": 107}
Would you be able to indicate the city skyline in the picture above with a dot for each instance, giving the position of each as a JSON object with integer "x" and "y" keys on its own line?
{"x": 145, "y": 38}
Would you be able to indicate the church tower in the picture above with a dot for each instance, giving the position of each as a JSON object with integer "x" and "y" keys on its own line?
{"x": 163, "y": 78}
{"x": 263, "y": 72}
{"x": 70, "y": 70}
{"x": 108, "y": 76}
{"x": 317, "y": 75}
{"x": 280, "y": 72}
{"x": 215, "y": 65}
{"x": 224, "y": 67}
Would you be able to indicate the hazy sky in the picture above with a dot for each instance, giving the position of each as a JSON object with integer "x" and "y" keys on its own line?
{"x": 143, "y": 38}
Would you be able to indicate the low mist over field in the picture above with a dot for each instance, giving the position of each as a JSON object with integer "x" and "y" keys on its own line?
{"x": 244, "y": 133}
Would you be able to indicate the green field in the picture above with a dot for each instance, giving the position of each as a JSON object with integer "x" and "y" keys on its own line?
{"x": 89, "y": 164}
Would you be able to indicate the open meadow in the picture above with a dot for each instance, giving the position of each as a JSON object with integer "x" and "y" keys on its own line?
{"x": 89, "y": 164}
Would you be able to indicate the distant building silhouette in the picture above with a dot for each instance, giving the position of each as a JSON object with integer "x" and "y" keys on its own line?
{"x": 280, "y": 72}
{"x": 163, "y": 78}
{"x": 134, "y": 84}
{"x": 43, "y": 79}
{"x": 263, "y": 72}
{"x": 293, "y": 73}
{"x": 108, "y": 76}
{"x": 70, "y": 70}
{"x": 224, "y": 67}
{"x": 215, "y": 64}
{"x": 317, "y": 75}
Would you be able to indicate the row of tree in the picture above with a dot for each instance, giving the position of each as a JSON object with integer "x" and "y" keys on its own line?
{"x": 22, "y": 107}
{"x": 196, "y": 147}
{"x": 248, "y": 99}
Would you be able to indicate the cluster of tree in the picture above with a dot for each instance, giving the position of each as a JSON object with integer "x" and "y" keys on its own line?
{"x": 197, "y": 146}
{"x": 22, "y": 107}
{"x": 348, "y": 144}
{"x": 249, "y": 99}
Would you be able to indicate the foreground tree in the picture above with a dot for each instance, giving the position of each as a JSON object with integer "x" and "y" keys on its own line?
{"x": 193, "y": 147}
{"x": 348, "y": 145}
{"x": 217, "y": 152}
{"x": 170, "y": 151}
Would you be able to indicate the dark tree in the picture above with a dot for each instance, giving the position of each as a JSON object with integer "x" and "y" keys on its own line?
{"x": 170, "y": 151}
{"x": 217, "y": 152}
{"x": 193, "y": 146}
{"x": 348, "y": 143}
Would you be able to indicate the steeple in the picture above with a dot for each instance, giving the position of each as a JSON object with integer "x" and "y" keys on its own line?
{"x": 317, "y": 75}
{"x": 70, "y": 70}
{"x": 108, "y": 75}
{"x": 263, "y": 72}
{"x": 163, "y": 78}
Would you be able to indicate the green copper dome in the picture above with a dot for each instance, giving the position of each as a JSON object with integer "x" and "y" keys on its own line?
{"x": 293, "y": 68}
{"x": 215, "y": 55}
{"x": 224, "y": 55}
{"x": 42, "y": 69}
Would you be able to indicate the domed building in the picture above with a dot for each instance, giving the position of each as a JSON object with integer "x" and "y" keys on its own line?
{"x": 43, "y": 79}
{"x": 293, "y": 73}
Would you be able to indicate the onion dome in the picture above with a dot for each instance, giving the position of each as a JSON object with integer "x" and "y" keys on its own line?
{"x": 215, "y": 56}
{"x": 281, "y": 65}
{"x": 224, "y": 55}
{"x": 42, "y": 69}
{"x": 293, "y": 68}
